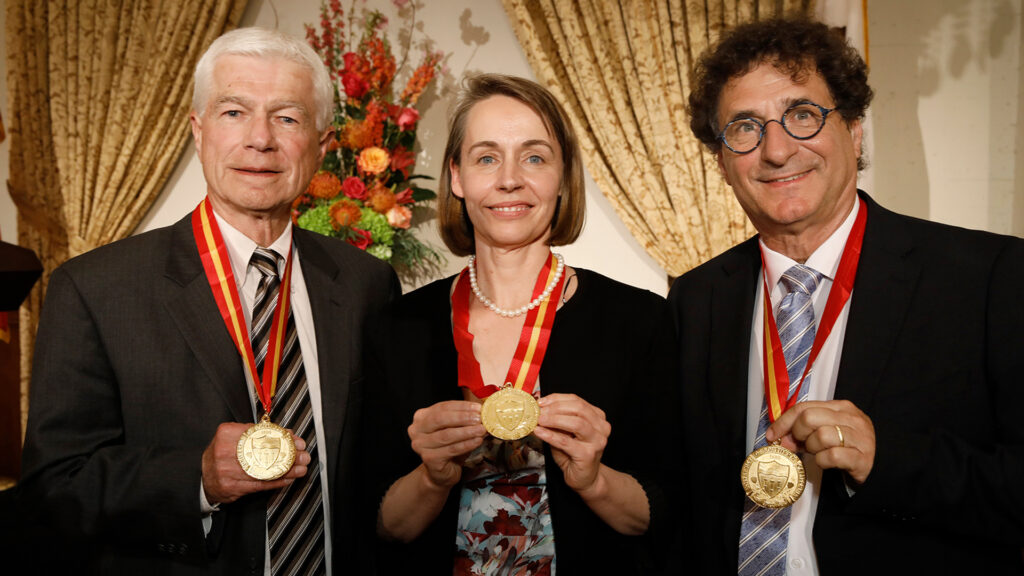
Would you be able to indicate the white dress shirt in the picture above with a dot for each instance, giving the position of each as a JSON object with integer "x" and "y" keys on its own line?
{"x": 800, "y": 557}
{"x": 240, "y": 248}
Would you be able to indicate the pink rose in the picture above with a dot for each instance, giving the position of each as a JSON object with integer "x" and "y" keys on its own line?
{"x": 399, "y": 217}
{"x": 354, "y": 188}
{"x": 407, "y": 119}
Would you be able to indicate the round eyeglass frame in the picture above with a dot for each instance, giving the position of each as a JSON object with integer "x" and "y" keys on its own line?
{"x": 781, "y": 121}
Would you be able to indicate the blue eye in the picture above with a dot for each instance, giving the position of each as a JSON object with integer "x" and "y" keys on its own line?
{"x": 486, "y": 160}
{"x": 233, "y": 113}
{"x": 535, "y": 159}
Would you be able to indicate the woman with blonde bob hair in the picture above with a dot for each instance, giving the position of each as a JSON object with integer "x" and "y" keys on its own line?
{"x": 473, "y": 469}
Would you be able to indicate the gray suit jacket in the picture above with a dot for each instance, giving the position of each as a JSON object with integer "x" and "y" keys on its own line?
{"x": 133, "y": 372}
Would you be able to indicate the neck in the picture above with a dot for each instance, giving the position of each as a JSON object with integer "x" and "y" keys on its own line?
{"x": 507, "y": 277}
{"x": 800, "y": 243}
{"x": 260, "y": 227}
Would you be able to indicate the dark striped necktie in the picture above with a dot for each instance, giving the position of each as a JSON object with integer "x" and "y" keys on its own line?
{"x": 295, "y": 514}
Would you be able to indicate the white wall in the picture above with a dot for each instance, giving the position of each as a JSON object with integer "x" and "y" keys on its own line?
{"x": 947, "y": 76}
{"x": 947, "y": 79}
{"x": 478, "y": 37}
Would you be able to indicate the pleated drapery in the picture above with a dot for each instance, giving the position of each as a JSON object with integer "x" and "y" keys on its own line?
{"x": 99, "y": 95}
{"x": 622, "y": 70}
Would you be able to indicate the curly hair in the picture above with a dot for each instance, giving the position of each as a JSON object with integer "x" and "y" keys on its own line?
{"x": 798, "y": 47}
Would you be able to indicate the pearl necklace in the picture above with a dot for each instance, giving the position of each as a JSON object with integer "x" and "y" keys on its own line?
{"x": 523, "y": 309}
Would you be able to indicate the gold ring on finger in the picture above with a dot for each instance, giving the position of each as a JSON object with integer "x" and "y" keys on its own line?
{"x": 842, "y": 440}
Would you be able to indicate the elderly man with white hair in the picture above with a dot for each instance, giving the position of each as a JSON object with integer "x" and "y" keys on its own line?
{"x": 195, "y": 387}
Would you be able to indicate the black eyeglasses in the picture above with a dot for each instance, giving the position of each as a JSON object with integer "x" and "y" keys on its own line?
{"x": 801, "y": 121}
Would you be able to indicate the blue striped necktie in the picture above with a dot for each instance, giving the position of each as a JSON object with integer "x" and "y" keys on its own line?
{"x": 295, "y": 514}
{"x": 764, "y": 532}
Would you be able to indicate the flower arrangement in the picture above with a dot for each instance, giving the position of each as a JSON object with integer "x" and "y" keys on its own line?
{"x": 365, "y": 191}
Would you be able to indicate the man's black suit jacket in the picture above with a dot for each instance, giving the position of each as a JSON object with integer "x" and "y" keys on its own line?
{"x": 933, "y": 353}
{"x": 133, "y": 372}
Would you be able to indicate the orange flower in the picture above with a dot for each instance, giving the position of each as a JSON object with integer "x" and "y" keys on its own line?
{"x": 324, "y": 185}
{"x": 344, "y": 213}
{"x": 420, "y": 78}
{"x": 381, "y": 64}
{"x": 399, "y": 217}
{"x": 373, "y": 160}
{"x": 359, "y": 134}
{"x": 380, "y": 198}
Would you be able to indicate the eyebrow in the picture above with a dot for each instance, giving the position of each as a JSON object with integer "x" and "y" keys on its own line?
{"x": 273, "y": 107}
{"x": 789, "y": 103}
{"x": 526, "y": 144}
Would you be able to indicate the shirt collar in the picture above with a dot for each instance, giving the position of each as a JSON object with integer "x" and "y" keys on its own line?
{"x": 240, "y": 247}
{"x": 824, "y": 260}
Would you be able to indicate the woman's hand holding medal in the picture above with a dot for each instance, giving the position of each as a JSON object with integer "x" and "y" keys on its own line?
{"x": 442, "y": 435}
{"x": 838, "y": 433}
{"x": 578, "y": 433}
{"x": 224, "y": 480}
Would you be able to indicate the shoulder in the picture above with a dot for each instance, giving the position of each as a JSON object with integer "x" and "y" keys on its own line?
{"x": 616, "y": 298}
{"x": 349, "y": 258}
{"x": 432, "y": 294}
{"x": 937, "y": 244}
{"x": 742, "y": 259}
{"x": 129, "y": 261}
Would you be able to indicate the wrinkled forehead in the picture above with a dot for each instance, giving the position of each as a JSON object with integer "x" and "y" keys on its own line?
{"x": 769, "y": 87}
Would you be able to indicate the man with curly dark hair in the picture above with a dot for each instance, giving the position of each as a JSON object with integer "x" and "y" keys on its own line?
{"x": 852, "y": 377}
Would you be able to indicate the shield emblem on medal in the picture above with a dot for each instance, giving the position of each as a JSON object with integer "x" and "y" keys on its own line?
{"x": 510, "y": 412}
{"x": 772, "y": 477}
{"x": 266, "y": 449}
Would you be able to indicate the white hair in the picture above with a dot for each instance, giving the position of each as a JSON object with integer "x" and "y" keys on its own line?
{"x": 266, "y": 43}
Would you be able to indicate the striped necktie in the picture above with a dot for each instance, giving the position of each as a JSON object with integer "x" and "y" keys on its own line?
{"x": 295, "y": 517}
{"x": 764, "y": 532}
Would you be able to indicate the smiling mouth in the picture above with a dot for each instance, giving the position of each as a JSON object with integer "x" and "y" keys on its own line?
{"x": 257, "y": 171}
{"x": 787, "y": 178}
{"x": 510, "y": 210}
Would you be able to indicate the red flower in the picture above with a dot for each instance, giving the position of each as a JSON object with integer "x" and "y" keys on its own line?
{"x": 354, "y": 188}
{"x": 404, "y": 197}
{"x": 355, "y": 86}
{"x": 401, "y": 160}
{"x": 407, "y": 119}
{"x": 361, "y": 238}
{"x": 505, "y": 524}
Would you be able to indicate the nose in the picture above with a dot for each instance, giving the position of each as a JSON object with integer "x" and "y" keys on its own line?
{"x": 777, "y": 145}
{"x": 510, "y": 177}
{"x": 260, "y": 136}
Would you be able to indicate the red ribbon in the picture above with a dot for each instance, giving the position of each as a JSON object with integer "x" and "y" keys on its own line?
{"x": 533, "y": 340}
{"x": 217, "y": 265}
{"x": 776, "y": 378}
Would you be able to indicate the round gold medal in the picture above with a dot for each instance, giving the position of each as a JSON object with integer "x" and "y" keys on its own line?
{"x": 510, "y": 414}
{"x": 266, "y": 451}
{"x": 773, "y": 477}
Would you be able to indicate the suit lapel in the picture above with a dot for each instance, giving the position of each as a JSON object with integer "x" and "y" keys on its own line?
{"x": 193, "y": 309}
{"x": 882, "y": 292}
{"x": 732, "y": 308}
{"x": 332, "y": 320}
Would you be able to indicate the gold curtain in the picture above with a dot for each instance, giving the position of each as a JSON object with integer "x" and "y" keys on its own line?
{"x": 622, "y": 70}
{"x": 99, "y": 95}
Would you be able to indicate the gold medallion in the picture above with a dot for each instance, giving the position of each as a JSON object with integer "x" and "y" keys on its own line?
{"x": 510, "y": 414}
{"x": 773, "y": 477}
{"x": 266, "y": 451}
